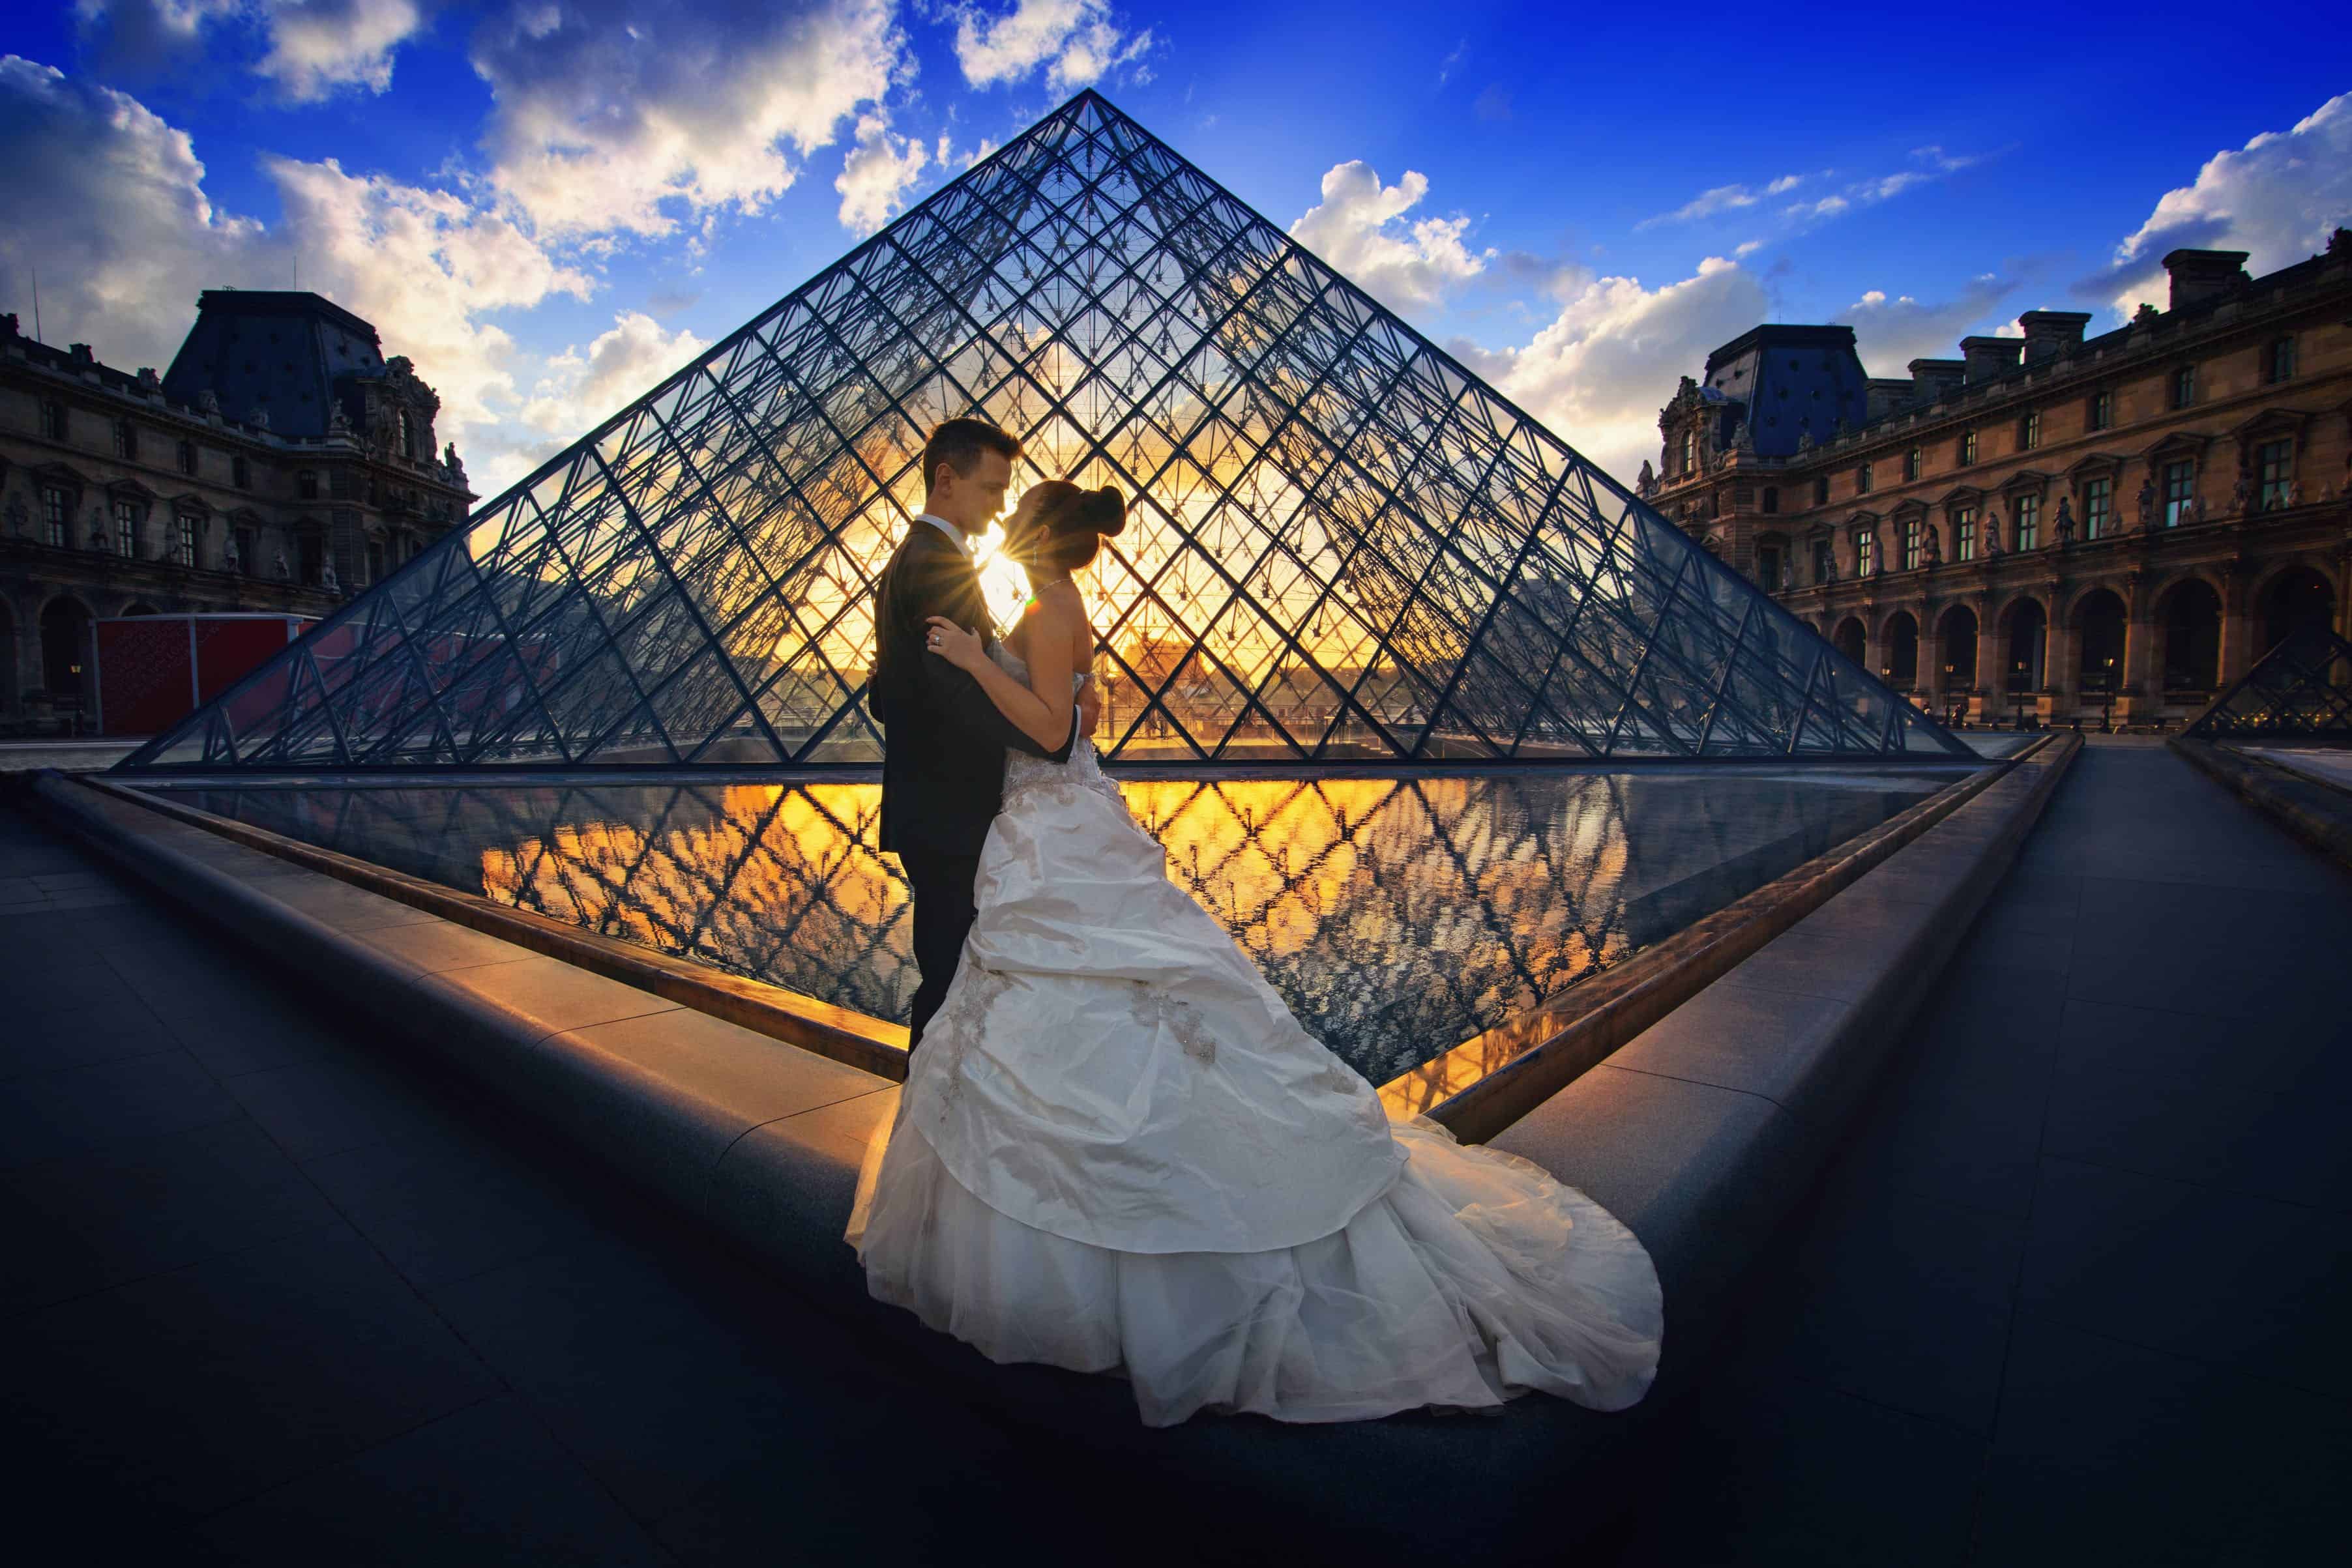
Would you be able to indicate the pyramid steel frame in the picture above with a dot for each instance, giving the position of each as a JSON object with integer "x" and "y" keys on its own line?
{"x": 2302, "y": 689}
{"x": 1343, "y": 547}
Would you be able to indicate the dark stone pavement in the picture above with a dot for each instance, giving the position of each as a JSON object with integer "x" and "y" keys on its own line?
{"x": 2078, "y": 1289}
{"x": 275, "y": 1291}
{"x": 2075, "y": 1293}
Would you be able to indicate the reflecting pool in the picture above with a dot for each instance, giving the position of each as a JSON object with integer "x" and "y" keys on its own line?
{"x": 1397, "y": 916}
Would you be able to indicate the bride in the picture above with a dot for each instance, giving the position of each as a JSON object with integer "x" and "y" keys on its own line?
{"x": 1120, "y": 1152}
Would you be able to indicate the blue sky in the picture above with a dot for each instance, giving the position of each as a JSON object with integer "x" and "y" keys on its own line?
{"x": 550, "y": 203}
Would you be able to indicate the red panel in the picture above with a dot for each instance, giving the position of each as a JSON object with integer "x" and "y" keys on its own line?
{"x": 228, "y": 651}
{"x": 142, "y": 674}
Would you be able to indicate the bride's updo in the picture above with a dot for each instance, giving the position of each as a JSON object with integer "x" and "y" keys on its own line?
{"x": 1068, "y": 527}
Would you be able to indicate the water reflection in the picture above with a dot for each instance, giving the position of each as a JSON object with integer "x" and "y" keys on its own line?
{"x": 1397, "y": 916}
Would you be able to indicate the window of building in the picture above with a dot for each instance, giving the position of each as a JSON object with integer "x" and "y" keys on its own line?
{"x": 2102, "y": 410}
{"x": 2029, "y": 430}
{"x": 1865, "y": 551}
{"x": 1771, "y": 497}
{"x": 1767, "y": 566}
{"x": 375, "y": 562}
{"x": 1913, "y": 529}
{"x": 57, "y": 515}
{"x": 1822, "y": 491}
{"x": 305, "y": 484}
{"x": 1964, "y": 533}
{"x": 184, "y": 546}
{"x": 1968, "y": 447}
{"x": 188, "y": 457}
{"x": 1689, "y": 451}
{"x": 1911, "y": 464}
{"x": 126, "y": 440}
{"x": 2275, "y": 465}
{"x": 127, "y": 519}
{"x": 2098, "y": 500}
{"x": 1824, "y": 562}
{"x": 248, "y": 544}
{"x": 407, "y": 436}
{"x": 2180, "y": 485}
{"x": 2278, "y": 360}
{"x": 1861, "y": 480}
{"x": 2028, "y": 512}
{"x": 2183, "y": 383}
{"x": 240, "y": 473}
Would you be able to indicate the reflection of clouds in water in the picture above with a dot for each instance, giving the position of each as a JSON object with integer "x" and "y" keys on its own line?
{"x": 1397, "y": 917}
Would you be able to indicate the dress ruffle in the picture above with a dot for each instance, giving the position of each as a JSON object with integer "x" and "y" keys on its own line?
{"x": 1474, "y": 1278}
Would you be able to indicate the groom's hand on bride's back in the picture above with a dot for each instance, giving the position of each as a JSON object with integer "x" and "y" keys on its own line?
{"x": 1089, "y": 708}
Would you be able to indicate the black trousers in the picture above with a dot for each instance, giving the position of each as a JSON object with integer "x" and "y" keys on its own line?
{"x": 944, "y": 914}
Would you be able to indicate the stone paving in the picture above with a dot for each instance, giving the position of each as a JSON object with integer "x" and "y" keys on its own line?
{"x": 275, "y": 1291}
{"x": 2075, "y": 1292}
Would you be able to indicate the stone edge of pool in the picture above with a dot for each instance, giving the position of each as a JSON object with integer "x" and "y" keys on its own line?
{"x": 1700, "y": 1131}
{"x": 2312, "y": 810}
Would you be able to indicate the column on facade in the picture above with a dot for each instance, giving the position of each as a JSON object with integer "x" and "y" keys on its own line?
{"x": 2061, "y": 650}
{"x": 2139, "y": 687}
{"x": 2237, "y": 624}
{"x": 1991, "y": 677}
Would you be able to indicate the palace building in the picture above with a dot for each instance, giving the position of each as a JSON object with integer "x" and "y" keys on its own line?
{"x": 2051, "y": 525}
{"x": 281, "y": 464}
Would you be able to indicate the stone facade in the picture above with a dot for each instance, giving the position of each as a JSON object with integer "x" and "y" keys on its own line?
{"x": 283, "y": 463}
{"x": 2110, "y": 527}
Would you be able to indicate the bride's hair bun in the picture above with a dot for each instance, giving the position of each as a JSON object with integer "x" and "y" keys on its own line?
{"x": 1103, "y": 511}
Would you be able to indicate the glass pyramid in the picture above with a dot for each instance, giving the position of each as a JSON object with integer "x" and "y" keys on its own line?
{"x": 2302, "y": 688}
{"x": 1342, "y": 545}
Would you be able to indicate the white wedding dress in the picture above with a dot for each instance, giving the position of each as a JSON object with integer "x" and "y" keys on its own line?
{"x": 1117, "y": 1151}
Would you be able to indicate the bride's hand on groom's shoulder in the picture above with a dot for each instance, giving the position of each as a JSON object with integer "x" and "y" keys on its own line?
{"x": 958, "y": 647}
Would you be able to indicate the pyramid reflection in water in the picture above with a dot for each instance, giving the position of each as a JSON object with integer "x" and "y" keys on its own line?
{"x": 1344, "y": 546}
{"x": 1397, "y": 916}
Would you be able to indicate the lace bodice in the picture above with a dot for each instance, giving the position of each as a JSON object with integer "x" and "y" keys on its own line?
{"x": 1025, "y": 776}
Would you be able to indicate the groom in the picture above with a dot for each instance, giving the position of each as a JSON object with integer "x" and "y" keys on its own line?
{"x": 943, "y": 741}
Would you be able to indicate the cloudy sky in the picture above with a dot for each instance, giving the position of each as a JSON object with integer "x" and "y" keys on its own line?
{"x": 548, "y": 204}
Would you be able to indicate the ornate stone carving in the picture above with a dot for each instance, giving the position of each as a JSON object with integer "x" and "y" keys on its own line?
{"x": 2062, "y": 529}
{"x": 1992, "y": 531}
{"x": 259, "y": 417}
{"x": 18, "y": 516}
{"x": 2144, "y": 503}
{"x": 1935, "y": 546}
{"x": 278, "y": 569}
{"x": 207, "y": 401}
{"x": 326, "y": 575}
{"x": 1643, "y": 486}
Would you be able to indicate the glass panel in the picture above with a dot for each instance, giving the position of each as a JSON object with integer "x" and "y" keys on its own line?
{"x": 1340, "y": 542}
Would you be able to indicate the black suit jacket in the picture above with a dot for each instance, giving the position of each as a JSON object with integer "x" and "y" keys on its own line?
{"x": 943, "y": 742}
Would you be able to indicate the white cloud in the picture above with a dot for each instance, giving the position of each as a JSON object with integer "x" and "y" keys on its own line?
{"x": 1075, "y": 42}
{"x": 117, "y": 217}
{"x": 582, "y": 387}
{"x": 1445, "y": 69}
{"x": 2277, "y": 199}
{"x": 318, "y": 45}
{"x": 1748, "y": 248}
{"x": 315, "y": 47}
{"x": 876, "y": 175}
{"x": 1892, "y": 332}
{"x": 1598, "y": 374}
{"x": 601, "y": 127}
{"x": 1360, "y": 228}
{"x": 1724, "y": 199}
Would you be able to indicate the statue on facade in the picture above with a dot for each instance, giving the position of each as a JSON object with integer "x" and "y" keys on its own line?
{"x": 1829, "y": 568}
{"x": 2144, "y": 315}
{"x": 2062, "y": 529}
{"x": 2196, "y": 509}
{"x": 2241, "y": 493}
{"x": 327, "y": 576}
{"x": 2144, "y": 503}
{"x": 232, "y": 559}
{"x": 1643, "y": 486}
{"x": 1805, "y": 442}
{"x": 1935, "y": 546}
{"x": 2295, "y": 491}
{"x": 458, "y": 468}
{"x": 259, "y": 417}
{"x": 97, "y": 529}
{"x": 339, "y": 423}
{"x": 18, "y": 516}
{"x": 207, "y": 401}
{"x": 278, "y": 569}
{"x": 1992, "y": 531}
{"x": 149, "y": 380}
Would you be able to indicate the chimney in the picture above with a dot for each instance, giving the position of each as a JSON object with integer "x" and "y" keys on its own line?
{"x": 1884, "y": 394}
{"x": 1931, "y": 379}
{"x": 1989, "y": 357}
{"x": 2050, "y": 334}
{"x": 2199, "y": 276}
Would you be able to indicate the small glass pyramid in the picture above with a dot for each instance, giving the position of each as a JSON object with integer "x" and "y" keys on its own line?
{"x": 2302, "y": 689}
{"x": 1342, "y": 546}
